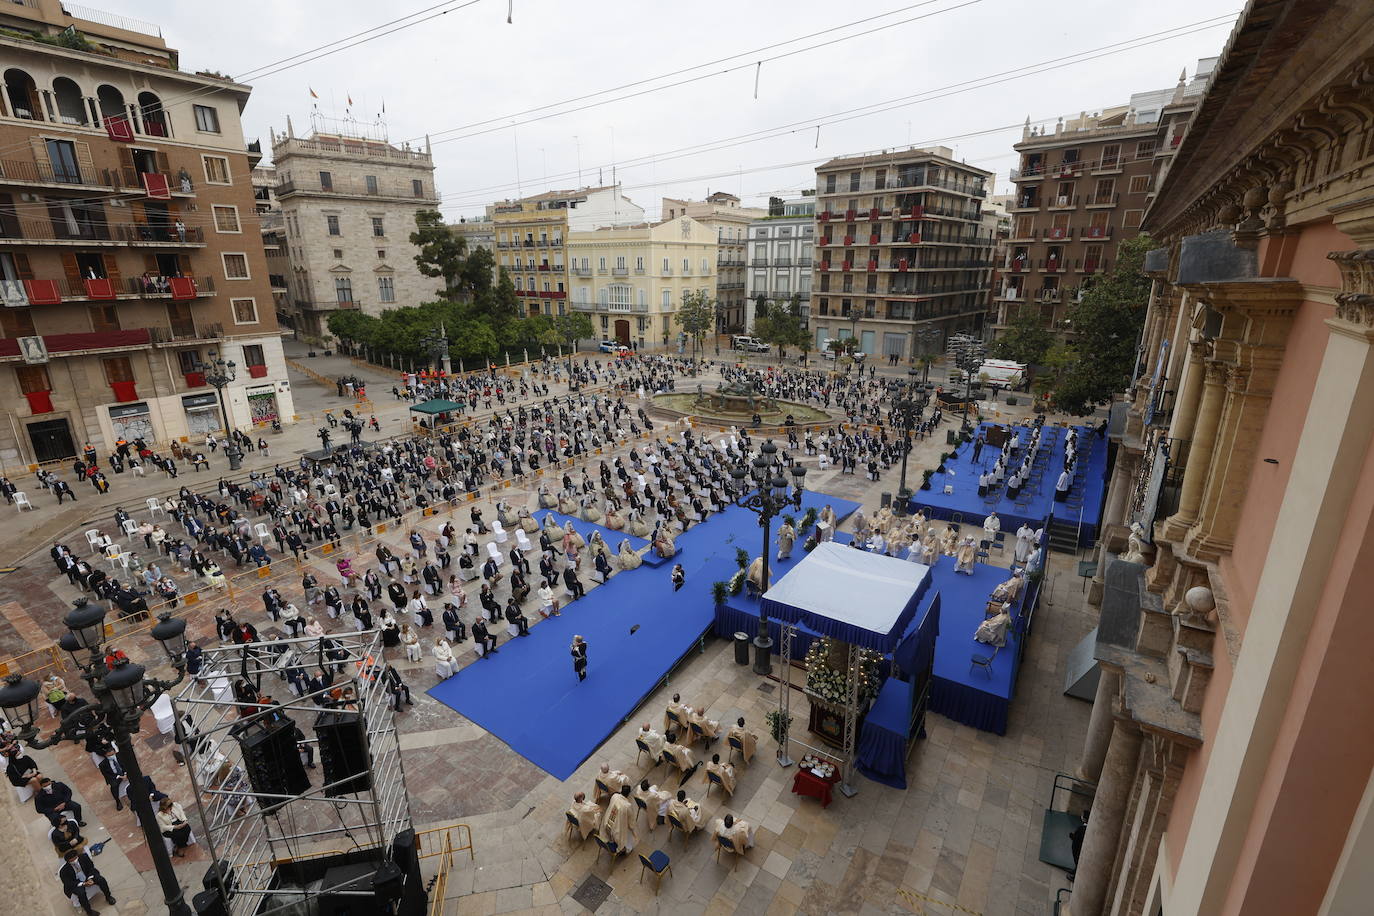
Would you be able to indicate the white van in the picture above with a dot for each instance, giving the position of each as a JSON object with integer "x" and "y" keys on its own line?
{"x": 1002, "y": 373}
{"x": 748, "y": 344}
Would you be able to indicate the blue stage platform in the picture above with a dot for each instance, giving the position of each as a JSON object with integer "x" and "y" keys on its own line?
{"x": 527, "y": 694}
{"x": 609, "y": 535}
{"x": 1035, "y": 502}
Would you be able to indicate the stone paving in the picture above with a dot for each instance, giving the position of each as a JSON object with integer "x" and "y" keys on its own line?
{"x": 962, "y": 838}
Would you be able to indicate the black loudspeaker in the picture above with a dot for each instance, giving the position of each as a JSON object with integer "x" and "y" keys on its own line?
{"x": 347, "y": 891}
{"x": 406, "y": 856}
{"x": 343, "y": 752}
{"x": 209, "y": 903}
{"x": 270, "y": 757}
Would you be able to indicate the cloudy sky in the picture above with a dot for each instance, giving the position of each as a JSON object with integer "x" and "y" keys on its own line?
{"x": 530, "y": 105}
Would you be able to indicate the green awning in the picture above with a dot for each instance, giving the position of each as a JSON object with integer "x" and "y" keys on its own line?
{"x": 438, "y": 405}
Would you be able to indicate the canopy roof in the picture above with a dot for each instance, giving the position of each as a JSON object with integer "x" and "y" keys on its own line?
{"x": 862, "y": 598}
{"x": 437, "y": 405}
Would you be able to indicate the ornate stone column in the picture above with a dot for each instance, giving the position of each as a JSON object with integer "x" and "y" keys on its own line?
{"x": 1099, "y": 726}
{"x": 1095, "y": 862}
{"x": 1189, "y": 390}
{"x": 1258, "y": 315}
{"x": 1200, "y": 451}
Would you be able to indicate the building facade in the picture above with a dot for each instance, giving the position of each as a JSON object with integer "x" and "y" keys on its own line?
{"x": 899, "y": 248}
{"x": 781, "y": 247}
{"x": 273, "y": 230}
{"x": 348, "y": 208}
{"x": 721, "y": 213}
{"x": 631, "y": 279}
{"x": 1230, "y": 744}
{"x": 1080, "y": 191}
{"x": 531, "y": 232}
{"x": 479, "y": 233}
{"x": 129, "y": 249}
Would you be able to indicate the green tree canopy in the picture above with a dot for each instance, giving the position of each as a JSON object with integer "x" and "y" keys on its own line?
{"x": 697, "y": 315}
{"x": 1106, "y": 325}
{"x": 442, "y": 253}
{"x": 1025, "y": 340}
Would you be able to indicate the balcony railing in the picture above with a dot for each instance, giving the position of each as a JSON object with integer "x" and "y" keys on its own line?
{"x": 582, "y": 271}
{"x": 355, "y": 187}
{"x": 84, "y": 230}
{"x": 1102, "y": 200}
{"x": 620, "y": 271}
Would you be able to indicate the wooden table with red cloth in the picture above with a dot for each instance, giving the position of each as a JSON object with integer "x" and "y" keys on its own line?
{"x": 806, "y": 782}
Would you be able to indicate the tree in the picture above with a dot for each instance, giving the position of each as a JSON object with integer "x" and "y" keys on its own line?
{"x": 442, "y": 253}
{"x": 760, "y": 306}
{"x": 1106, "y": 325}
{"x": 352, "y": 326}
{"x": 696, "y": 315}
{"x": 1026, "y": 340}
{"x": 782, "y": 327}
{"x": 572, "y": 328}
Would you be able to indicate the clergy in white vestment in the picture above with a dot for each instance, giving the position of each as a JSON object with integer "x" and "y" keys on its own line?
{"x": 747, "y": 739}
{"x": 588, "y": 814}
{"x": 618, "y": 826}
{"x": 964, "y": 556}
{"x": 1025, "y": 543}
{"x": 991, "y": 525}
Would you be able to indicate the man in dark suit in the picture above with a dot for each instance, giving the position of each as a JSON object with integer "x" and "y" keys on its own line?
{"x": 54, "y": 801}
{"x": 79, "y": 876}
{"x": 115, "y": 776}
{"x": 483, "y": 637}
{"x": 573, "y": 583}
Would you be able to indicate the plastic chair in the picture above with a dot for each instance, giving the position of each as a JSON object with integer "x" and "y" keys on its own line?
{"x": 114, "y": 555}
{"x": 658, "y": 863}
{"x": 261, "y": 532}
{"x": 163, "y": 714}
{"x": 130, "y": 529}
{"x": 92, "y": 538}
{"x": 522, "y": 541}
{"x": 21, "y": 500}
{"x": 154, "y": 507}
{"x": 499, "y": 532}
{"x": 495, "y": 553}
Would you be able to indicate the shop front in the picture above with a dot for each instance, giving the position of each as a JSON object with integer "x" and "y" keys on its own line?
{"x": 202, "y": 414}
{"x": 262, "y": 404}
{"x": 132, "y": 421}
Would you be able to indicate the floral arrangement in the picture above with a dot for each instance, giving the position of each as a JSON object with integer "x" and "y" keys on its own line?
{"x": 829, "y": 683}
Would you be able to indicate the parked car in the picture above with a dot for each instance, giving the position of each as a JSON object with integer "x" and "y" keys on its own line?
{"x": 609, "y": 346}
{"x": 749, "y": 344}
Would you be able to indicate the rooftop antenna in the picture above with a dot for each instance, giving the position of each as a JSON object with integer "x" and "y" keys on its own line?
{"x": 515, "y": 137}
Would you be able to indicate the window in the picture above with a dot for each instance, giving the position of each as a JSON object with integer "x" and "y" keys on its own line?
{"x": 118, "y": 369}
{"x": 103, "y": 318}
{"x": 332, "y": 224}
{"x": 252, "y": 353}
{"x": 326, "y": 181}
{"x": 417, "y": 187}
{"x": 1111, "y": 155}
{"x": 1140, "y": 184}
{"x": 226, "y": 218}
{"x": 381, "y": 254}
{"x": 216, "y": 169}
{"x": 338, "y": 254}
{"x": 620, "y": 297}
{"x": 1105, "y": 191}
{"x": 1146, "y": 148}
{"x": 62, "y": 157}
{"x": 343, "y": 290}
{"x": 1131, "y": 219}
{"x": 639, "y": 265}
{"x": 235, "y": 266}
{"x": 245, "y": 312}
{"x": 686, "y": 265}
{"x": 853, "y": 181}
{"x": 830, "y": 184}
{"x": 371, "y": 183}
{"x": 32, "y": 379}
{"x": 378, "y": 227}
{"x": 16, "y": 322}
{"x": 667, "y": 301}
{"x": 620, "y": 262}
{"x": 386, "y": 292}
{"x": 207, "y": 119}
{"x": 666, "y": 268}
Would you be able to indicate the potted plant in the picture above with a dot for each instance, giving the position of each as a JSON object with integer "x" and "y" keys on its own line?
{"x": 778, "y": 726}
{"x": 741, "y": 558}
{"x": 719, "y": 592}
{"x": 809, "y": 520}
{"x": 810, "y": 543}
{"x": 737, "y": 582}
{"x": 925, "y": 478}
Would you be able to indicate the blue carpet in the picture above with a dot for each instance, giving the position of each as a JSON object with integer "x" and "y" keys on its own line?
{"x": 970, "y": 697}
{"x": 1037, "y": 501}
{"x": 527, "y": 694}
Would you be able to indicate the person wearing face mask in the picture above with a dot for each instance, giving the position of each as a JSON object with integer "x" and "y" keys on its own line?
{"x": 54, "y": 801}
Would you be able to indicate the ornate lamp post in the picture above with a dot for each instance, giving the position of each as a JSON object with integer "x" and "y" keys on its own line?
{"x": 908, "y": 410}
{"x": 122, "y": 694}
{"x": 765, "y": 493}
{"x": 218, "y": 374}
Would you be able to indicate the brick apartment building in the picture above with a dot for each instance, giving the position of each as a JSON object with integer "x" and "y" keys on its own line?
{"x": 129, "y": 252}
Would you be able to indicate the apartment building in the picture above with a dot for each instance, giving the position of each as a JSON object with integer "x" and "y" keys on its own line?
{"x": 722, "y": 213}
{"x": 1081, "y": 190}
{"x": 1230, "y": 746}
{"x": 530, "y": 235}
{"x": 479, "y": 233}
{"x": 631, "y": 279}
{"x": 273, "y": 230}
{"x": 781, "y": 245}
{"x": 348, "y": 207}
{"x": 129, "y": 250}
{"x": 900, "y": 248}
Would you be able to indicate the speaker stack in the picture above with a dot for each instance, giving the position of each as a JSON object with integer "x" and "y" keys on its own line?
{"x": 343, "y": 752}
{"x": 270, "y": 758}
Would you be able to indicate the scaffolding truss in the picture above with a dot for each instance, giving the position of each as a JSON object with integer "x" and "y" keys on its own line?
{"x": 254, "y": 832}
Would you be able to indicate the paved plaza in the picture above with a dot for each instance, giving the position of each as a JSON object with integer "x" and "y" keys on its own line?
{"x": 963, "y": 838}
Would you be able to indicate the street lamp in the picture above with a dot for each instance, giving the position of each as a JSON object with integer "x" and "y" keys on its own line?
{"x": 765, "y": 493}
{"x": 908, "y": 410}
{"x": 219, "y": 374}
{"x": 122, "y": 694}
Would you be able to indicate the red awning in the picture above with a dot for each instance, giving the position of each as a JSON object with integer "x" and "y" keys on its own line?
{"x": 43, "y": 292}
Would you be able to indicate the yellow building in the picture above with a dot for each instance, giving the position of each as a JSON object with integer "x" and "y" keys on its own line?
{"x": 530, "y": 234}
{"x": 722, "y": 214}
{"x": 631, "y": 279}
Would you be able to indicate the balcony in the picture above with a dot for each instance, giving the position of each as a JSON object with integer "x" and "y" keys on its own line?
{"x": 1025, "y": 202}
{"x": 1102, "y": 200}
{"x": 1049, "y": 295}
{"x": 1058, "y": 232}
{"x": 804, "y": 262}
{"x": 582, "y": 271}
{"x": 1013, "y": 293}
{"x": 823, "y": 216}
{"x": 1032, "y": 172}
{"x": 87, "y": 232}
{"x": 873, "y": 239}
{"x": 1107, "y": 165}
{"x": 343, "y": 186}
{"x": 1053, "y": 265}
{"x": 579, "y": 305}
{"x": 729, "y": 286}
{"x": 1096, "y": 232}
{"x": 542, "y": 267}
{"x": 848, "y": 240}
{"x": 782, "y": 262}
{"x": 1063, "y": 202}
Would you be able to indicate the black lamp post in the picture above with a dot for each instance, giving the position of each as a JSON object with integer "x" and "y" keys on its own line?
{"x": 218, "y": 374}
{"x": 765, "y": 493}
{"x": 122, "y": 694}
{"x": 908, "y": 410}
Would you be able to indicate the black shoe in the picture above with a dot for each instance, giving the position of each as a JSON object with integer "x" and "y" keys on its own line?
{"x": 119, "y": 805}
{"x": 81, "y": 823}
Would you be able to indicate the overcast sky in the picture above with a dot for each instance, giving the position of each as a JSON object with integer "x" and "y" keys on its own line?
{"x": 469, "y": 67}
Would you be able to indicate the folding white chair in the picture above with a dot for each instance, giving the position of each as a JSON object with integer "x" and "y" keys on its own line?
{"x": 522, "y": 541}
{"x": 154, "y": 507}
{"x": 93, "y": 538}
{"x": 261, "y": 533}
{"x": 114, "y": 555}
{"x": 495, "y": 553}
{"x": 499, "y": 532}
{"x": 21, "y": 501}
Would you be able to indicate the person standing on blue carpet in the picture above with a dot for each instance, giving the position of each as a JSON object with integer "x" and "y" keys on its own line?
{"x": 578, "y": 649}
{"x": 679, "y": 576}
